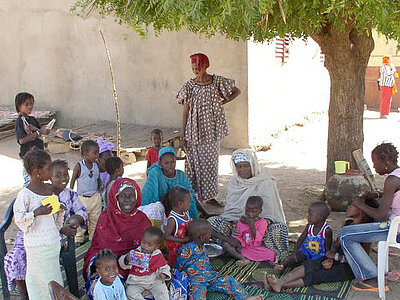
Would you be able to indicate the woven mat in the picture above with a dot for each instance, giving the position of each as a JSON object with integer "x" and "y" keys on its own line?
{"x": 251, "y": 276}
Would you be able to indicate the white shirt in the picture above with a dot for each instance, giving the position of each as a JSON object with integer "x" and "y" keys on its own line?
{"x": 115, "y": 291}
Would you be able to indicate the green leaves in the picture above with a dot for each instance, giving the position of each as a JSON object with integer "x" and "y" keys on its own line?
{"x": 260, "y": 20}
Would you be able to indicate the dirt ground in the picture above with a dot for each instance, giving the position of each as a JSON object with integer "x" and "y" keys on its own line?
{"x": 297, "y": 159}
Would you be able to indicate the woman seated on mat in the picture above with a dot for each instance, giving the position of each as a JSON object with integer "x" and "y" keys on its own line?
{"x": 161, "y": 177}
{"x": 384, "y": 158}
{"x": 120, "y": 227}
{"x": 248, "y": 180}
{"x": 332, "y": 268}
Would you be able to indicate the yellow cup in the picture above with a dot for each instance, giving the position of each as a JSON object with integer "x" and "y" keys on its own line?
{"x": 341, "y": 166}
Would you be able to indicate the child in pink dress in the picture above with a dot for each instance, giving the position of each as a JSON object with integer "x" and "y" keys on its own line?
{"x": 251, "y": 230}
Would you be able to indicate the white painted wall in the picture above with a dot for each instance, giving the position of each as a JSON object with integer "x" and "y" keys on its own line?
{"x": 281, "y": 95}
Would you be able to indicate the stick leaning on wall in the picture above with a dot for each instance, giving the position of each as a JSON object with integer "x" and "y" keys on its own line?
{"x": 115, "y": 96}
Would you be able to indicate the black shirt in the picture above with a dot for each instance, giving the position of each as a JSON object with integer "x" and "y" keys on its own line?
{"x": 21, "y": 133}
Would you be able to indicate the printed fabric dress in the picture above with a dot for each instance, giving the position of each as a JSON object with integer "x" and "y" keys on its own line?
{"x": 194, "y": 262}
{"x": 252, "y": 247}
{"x": 181, "y": 225}
{"x": 206, "y": 126}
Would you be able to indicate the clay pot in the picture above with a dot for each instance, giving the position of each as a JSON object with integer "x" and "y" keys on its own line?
{"x": 341, "y": 188}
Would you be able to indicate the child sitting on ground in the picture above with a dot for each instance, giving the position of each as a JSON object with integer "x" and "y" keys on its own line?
{"x": 316, "y": 239}
{"x": 115, "y": 169}
{"x": 27, "y": 128}
{"x": 332, "y": 268}
{"x": 156, "y": 136}
{"x": 148, "y": 267}
{"x": 109, "y": 286}
{"x": 178, "y": 221}
{"x": 193, "y": 260}
{"x": 87, "y": 175}
{"x": 40, "y": 227}
{"x": 251, "y": 230}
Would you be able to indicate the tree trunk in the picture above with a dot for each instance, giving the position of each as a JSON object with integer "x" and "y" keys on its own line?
{"x": 346, "y": 58}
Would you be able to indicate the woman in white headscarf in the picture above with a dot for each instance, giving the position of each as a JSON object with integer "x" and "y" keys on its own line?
{"x": 248, "y": 180}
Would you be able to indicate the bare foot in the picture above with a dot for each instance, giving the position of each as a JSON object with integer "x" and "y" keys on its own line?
{"x": 242, "y": 262}
{"x": 258, "y": 297}
{"x": 274, "y": 283}
{"x": 267, "y": 286}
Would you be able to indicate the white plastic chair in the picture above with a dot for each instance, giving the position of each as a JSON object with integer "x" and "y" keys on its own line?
{"x": 383, "y": 255}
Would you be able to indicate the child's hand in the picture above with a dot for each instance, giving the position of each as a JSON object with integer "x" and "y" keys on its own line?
{"x": 44, "y": 131}
{"x": 68, "y": 230}
{"x": 244, "y": 220}
{"x": 162, "y": 277}
{"x": 327, "y": 263}
{"x": 42, "y": 210}
{"x": 74, "y": 222}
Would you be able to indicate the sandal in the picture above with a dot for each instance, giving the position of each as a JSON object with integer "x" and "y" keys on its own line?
{"x": 365, "y": 287}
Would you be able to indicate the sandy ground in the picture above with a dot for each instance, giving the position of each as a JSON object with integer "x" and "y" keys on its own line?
{"x": 297, "y": 159}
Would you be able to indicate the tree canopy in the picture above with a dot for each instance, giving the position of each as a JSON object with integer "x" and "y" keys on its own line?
{"x": 260, "y": 20}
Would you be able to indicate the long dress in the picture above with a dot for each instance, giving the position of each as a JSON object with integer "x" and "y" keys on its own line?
{"x": 206, "y": 126}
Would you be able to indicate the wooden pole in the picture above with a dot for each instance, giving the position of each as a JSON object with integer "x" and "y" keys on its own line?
{"x": 115, "y": 96}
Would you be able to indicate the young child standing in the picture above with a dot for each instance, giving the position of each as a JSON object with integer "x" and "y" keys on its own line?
{"x": 193, "y": 260}
{"x": 105, "y": 152}
{"x": 251, "y": 230}
{"x": 27, "y": 128}
{"x": 109, "y": 286}
{"x": 152, "y": 154}
{"x": 87, "y": 175}
{"x": 115, "y": 169}
{"x": 315, "y": 240}
{"x": 178, "y": 221}
{"x": 41, "y": 230}
{"x": 149, "y": 272}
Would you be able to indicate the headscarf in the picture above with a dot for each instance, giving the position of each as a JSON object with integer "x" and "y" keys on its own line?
{"x": 260, "y": 184}
{"x": 104, "y": 146}
{"x": 386, "y": 60}
{"x": 165, "y": 150}
{"x": 201, "y": 60}
{"x": 118, "y": 231}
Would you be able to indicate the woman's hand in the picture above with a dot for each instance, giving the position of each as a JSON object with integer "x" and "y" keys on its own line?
{"x": 42, "y": 210}
{"x": 357, "y": 201}
{"x": 369, "y": 195}
{"x": 330, "y": 254}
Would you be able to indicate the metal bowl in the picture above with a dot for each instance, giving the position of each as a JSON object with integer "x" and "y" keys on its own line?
{"x": 213, "y": 250}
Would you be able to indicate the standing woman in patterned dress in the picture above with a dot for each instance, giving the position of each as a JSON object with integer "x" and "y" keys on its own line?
{"x": 204, "y": 125}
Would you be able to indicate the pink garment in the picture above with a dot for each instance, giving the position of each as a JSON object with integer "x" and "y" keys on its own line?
{"x": 252, "y": 248}
{"x": 396, "y": 199}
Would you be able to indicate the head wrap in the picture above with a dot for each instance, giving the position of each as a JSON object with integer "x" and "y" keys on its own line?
{"x": 104, "y": 146}
{"x": 386, "y": 60}
{"x": 245, "y": 155}
{"x": 124, "y": 186}
{"x": 116, "y": 230}
{"x": 165, "y": 150}
{"x": 201, "y": 60}
{"x": 240, "y": 157}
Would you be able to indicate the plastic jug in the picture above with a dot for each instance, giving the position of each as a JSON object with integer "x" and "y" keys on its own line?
{"x": 341, "y": 166}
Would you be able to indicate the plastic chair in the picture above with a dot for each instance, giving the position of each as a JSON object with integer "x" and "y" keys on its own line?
{"x": 383, "y": 254}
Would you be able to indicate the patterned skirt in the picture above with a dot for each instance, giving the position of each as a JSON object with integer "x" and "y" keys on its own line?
{"x": 202, "y": 169}
{"x": 276, "y": 238}
{"x": 15, "y": 262}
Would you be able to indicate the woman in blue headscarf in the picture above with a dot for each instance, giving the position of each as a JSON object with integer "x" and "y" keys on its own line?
{"x": 163, "y": 176}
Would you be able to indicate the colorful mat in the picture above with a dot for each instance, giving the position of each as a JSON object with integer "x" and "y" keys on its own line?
{"x": 251, "y": 276}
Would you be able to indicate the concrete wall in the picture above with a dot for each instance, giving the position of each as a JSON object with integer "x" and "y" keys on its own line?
{"x": 60, "y": 58}
{"x": 281, "y": 95}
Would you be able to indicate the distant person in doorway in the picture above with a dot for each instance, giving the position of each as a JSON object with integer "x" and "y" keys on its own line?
{"x": 387, "y": 85}
{"x": 204, "y": 125}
